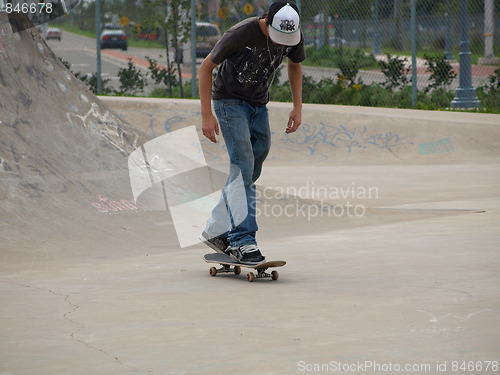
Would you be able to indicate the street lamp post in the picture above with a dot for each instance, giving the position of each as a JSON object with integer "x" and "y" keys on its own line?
{"x": 489, "y": 16}
{"x": 489, "y": 31}
{"x": 376, "y": 42}
{"x": 465, "y": 94}
{"x": 98, "y": 43}
{"x": 193, "y": 49}
{"x": 413, "y": 27}
{"x": 447, "y": 40}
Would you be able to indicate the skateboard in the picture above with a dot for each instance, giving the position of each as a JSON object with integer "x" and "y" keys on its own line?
{"x": 230, "y": 265}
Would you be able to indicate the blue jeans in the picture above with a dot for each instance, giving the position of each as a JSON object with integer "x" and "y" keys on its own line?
{"x": 245, "y": 129}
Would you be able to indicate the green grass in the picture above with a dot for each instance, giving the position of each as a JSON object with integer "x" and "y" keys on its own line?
{"x": 332, "y": 57}
{"x": 145, "y": 44}
{"x": 76, "y": 30}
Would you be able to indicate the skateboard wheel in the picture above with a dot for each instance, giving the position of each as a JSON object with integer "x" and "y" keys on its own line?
{"x": 237, "y": 270}
{"x": 250, "y": 276}
{"x": 274, "y": 275}
{"x": 213, "y": 271}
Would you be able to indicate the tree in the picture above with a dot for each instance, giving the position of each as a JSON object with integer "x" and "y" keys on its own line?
{"x": 398, "y": 24}
{"x": 171, "y": 17}
{"x": 178, "y": 27}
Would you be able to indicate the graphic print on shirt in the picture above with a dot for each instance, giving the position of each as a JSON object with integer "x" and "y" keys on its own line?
{"x": 254, "y": 65}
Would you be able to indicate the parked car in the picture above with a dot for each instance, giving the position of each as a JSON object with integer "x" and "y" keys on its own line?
{"x": 53, "y": 33}
{"x": 207, "y": 35}
{"x": 114, "y": 39}
{"x": 110, "y": 26}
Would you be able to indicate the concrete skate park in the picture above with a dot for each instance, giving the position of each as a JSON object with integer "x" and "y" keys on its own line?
{"x": 388, "y": 220}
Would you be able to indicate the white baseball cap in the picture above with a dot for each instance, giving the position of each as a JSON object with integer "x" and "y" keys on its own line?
{"x": 284, "y": 23}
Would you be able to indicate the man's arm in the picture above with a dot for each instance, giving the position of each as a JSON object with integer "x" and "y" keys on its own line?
{"x": 295, "y": 78}
{"x": 209, "y": 123}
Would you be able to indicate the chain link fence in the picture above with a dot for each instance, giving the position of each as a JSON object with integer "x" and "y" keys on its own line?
{"x": 358, "y": 51}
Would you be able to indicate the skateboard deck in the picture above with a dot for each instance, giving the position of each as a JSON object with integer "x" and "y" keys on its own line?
{"x": 230, "y": 265}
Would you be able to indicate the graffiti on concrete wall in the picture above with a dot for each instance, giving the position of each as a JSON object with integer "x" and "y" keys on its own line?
{"x": 440, "y": 146}
{"x": 348, "y": 138}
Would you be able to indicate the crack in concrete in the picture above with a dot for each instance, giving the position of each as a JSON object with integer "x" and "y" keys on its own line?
{"x": 79, "y": 326}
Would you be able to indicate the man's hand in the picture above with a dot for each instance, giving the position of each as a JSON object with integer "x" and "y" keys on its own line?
{"x": 294, "y": 120}
{"x": 210, "y": 127}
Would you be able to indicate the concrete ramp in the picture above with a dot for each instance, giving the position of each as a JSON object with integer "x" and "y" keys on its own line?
{"x": 388, "y": 221}
{"x": 60, "y": 150}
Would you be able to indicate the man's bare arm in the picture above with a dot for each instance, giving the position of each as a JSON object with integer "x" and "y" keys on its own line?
{"x": 210, "y": 126}
{"x": 295, "y": 78}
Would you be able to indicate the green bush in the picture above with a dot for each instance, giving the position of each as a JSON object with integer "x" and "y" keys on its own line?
{"x": 375, "y": 96}
{"x": 489, "y": 93}
{"x": 339, "y": 92}
{"x": 172, "y": 92}
{"x": 395, "y": 71}
{"x": 440, "y": 98}
{"x": 442, "y": 73}
{"x": 131, "y": 79}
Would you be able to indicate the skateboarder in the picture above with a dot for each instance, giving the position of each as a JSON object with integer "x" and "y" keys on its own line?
{"x": 247, "y": 55}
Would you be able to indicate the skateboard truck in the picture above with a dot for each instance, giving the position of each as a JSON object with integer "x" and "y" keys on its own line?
{"x": 229, "y": 265}
{"x": 225, "y": 269}
{"x": 261, "y": 272}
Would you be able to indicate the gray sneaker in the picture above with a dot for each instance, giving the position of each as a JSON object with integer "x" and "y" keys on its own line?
{"x": 247, "y": 254}
{"x": 219, "y": 244}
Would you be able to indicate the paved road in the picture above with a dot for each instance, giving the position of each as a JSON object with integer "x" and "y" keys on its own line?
{"x": 80, "y": 52}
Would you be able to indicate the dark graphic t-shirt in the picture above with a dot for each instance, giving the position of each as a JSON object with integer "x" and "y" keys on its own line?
{"x": 248, "y": 58}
